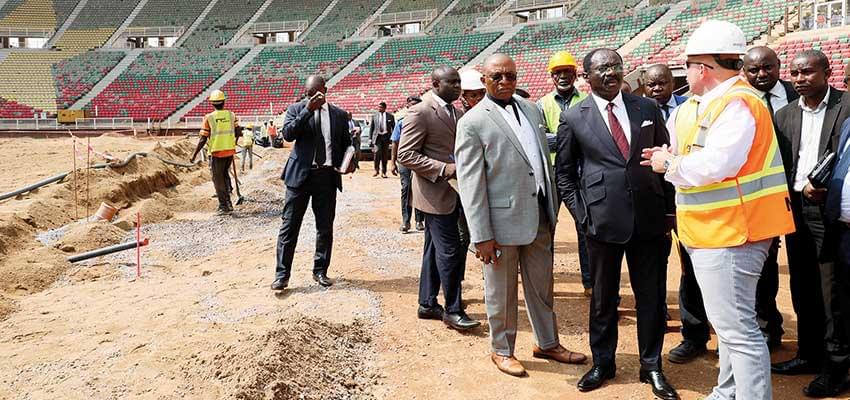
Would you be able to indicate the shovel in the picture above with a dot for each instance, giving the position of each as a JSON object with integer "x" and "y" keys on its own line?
{"x": 236, "y": 178}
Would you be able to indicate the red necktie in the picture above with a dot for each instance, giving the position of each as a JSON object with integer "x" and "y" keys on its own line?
{"x": 617, "y": 132}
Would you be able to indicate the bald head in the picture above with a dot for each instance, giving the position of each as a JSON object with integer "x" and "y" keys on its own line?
{"x": 313, "y": 84}
{"x": 659, "y": 83}
{"x": 446, "y": 83}
{"x": 761, "y": 67}
{"x": 500, "y": 76}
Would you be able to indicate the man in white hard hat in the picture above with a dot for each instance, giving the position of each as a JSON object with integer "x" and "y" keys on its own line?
{"x": 731, "y": 199}
{"x": 471, "y": 88}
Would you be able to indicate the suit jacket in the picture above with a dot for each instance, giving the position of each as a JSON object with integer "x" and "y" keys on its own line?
{"x": 299, "y": 126}
{"x": 376, "y": 120}
{"x": 614, "y": 199}
{"x": 427, "y": 144}
{"x": 790, "y": 93}
{"x": 788, "y": 122}
{"x": 496, "y": 180}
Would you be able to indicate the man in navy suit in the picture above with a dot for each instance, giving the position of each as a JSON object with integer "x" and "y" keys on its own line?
{"x": 320, "y": 133}
{"x": 659, "y": 86}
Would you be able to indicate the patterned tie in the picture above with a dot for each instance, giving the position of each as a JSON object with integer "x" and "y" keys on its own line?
{"x": 617, "y": 132}
{"x": 320, "y": 149}
{"x": 832, "y": 209}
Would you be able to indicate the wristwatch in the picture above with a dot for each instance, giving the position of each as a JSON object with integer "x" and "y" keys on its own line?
{"x": 667, "y": 164}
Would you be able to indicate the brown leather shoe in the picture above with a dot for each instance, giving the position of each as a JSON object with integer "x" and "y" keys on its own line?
{"x": 509, "y": 365}
{"x": 559, "y": 354}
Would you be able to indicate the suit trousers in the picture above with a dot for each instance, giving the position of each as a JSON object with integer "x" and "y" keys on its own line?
{"x": 321, "y": 187}
{"x": 838, "y": 303}
{"x": 769, "y": 317}
{"x": 807, "y": 298}
{"x": 220, "y": 168}
{"x": 443, "y": 262}
{"x": 691, "y": 308}
{"x": 583, "y": 259}
{"x": 500, "y": 292}
{"x": 382, "y": 153}
{"x": 728, "y": 278}
{"x": 648, "y": 274}
{"x": 406, "y": 209}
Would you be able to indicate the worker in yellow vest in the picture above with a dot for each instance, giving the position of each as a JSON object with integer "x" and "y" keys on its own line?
{"x": 731, "y": 199}
{"x": 219, "y": 132}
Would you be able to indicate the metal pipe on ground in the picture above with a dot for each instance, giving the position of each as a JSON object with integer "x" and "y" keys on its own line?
{"x": 106, "y": 250}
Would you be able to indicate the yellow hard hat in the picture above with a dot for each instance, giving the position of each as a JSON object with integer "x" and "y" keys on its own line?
{"x": 250, "y": 126}
{"x": 216, "y": 96}
{"x": 562, "y": 59}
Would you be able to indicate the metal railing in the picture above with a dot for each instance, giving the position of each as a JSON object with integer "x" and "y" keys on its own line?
{"x": 155, "y": 31}
{"x": 281, "y": 26}
{"x": 195, "y": 122}
{"x": 8, "y": 31}
{"x": 524, "y": 5}
{"x": 28, "y": 124}
{"x": 406, "y": 16}
{"x": 103, "y": 123}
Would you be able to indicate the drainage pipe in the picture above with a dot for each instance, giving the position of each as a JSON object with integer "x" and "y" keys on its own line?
{"x": 107, "y": 250}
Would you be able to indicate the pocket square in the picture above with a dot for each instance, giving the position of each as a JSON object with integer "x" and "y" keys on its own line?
{"x": 646, "y": 123}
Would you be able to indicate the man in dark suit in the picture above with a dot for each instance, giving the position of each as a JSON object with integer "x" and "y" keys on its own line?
{"x": 623, "y": 208}
{"x": 427, "y": 147}
{"x": 808, "y": 128}
{"x": 761, "y": 68}
{"x": 379, "y": 138}
{"x": 320, "y": 133}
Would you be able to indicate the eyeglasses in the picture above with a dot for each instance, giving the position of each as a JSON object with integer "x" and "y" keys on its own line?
{"x": 688, "y": 64}
{"x": 508, "y": 76}
{"x": 617, "y": 68}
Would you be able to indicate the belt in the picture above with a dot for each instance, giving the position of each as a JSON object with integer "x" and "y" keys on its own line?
{"x": 320, "y": 167}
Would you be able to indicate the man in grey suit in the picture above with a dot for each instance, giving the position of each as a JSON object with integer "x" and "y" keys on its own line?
{"x": 506, "y": 185}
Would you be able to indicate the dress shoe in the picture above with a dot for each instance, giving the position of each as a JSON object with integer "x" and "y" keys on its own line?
{"x": 660, "y": 387}
{"x": 559, "y": 354}
{"x": 405, "y": 227}
{"x": 686, "y": 352}
{"x": 508, "y": 364}
{"x": 826, "y": 385}
{"x": 420, "y": 226}
{"x": 594, "y": 378}
{"x": 460, "y": 321}
{"x": 322, "y": 279}
{"x": 280, "y": 284}
{"x": 435, "y": 312}
{"x": 795, "y": 366}
{"x": 384, "y": 176}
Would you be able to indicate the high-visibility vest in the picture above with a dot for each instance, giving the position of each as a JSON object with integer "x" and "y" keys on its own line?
{"x": 552, "y": 110}
{"x": 751, "y": 206}
{"x": 222, "y": 131}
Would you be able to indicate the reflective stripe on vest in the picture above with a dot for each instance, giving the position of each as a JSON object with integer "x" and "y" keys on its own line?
{"x": 222, "y": 131}
{"x": 552, "y": 110}
{"x": 752, "y": 206}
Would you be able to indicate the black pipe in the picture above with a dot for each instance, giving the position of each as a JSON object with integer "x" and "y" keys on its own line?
{"x": 106, "y": 250}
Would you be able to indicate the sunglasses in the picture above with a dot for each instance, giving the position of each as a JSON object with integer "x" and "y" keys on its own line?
{"x": 508, "y": 76}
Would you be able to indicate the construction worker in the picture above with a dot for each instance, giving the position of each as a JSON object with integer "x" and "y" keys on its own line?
{"x": 219, "y": 131}
{"x": 731, "y": 199}
{"x": 472, "y": 88}
{"x": 246, "y": 142}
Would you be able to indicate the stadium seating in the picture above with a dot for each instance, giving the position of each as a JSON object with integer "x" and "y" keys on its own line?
{"x": 401, "y": 67}
{"x": 534, "y": 44}
{"x": 837, "y": 48}
{"x": 159, "y": 82}
{"x": 222, "y": 22}
{"x": 414, "y": 5}
{"x": 30, "y": 14}
{"x": 462, "y": 18}
{"x": 158, "y": 13}
{"x": 96, "y": 23}
{"x": 294, "y": 10}
{"x": 276, "y": 77}
{"x": 342, "y": 21}
{"x": 26, "y": 77}
{"x": 11, "y": 109}
{"x": 76, "y": 76}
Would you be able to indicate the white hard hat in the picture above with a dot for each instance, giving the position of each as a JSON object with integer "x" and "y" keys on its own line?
{"x": 716, "y": 37}
{"x": 470, "y": 79}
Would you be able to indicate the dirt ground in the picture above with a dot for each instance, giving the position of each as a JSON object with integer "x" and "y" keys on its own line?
{"x": 201, "y": 322}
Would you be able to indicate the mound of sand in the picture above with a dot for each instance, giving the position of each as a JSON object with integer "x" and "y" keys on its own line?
{"x": 309, "y": 359}
{"x": 90, "y": 236}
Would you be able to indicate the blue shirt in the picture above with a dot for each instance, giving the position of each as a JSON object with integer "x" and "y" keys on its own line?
{"x": 396, "y": 136}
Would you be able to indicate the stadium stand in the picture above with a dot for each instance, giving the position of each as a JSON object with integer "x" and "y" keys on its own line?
{"x": 76, "y": 76}
{"x": 158, "y": 13}
{"x": 11, "y": 109}
{"x": 414, "y": 5}
{"x": 159, "y": 82}
{"x": 462, "y": 18}
{"x": 30, "y": 14}
{"x": 27, "y": 78}
{"x": 277, "y": 76}
{"x": 96, "y": 23}
{"x": 223, "y": 21}
{"x": 836, "y": 47}
{"x": 342, "y": 21}
{"x": 293, "y": 10}
{"x": 402, "y": 67}
{"x": 534, "y": 44}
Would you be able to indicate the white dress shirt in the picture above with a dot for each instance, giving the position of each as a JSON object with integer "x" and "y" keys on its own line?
{"x": 778, "y": 96}
{"x": 727, "y": 143}
{"x": 528, "y": 139}
{"x": 325, "y": 117}
{"x": 845, "y": 191}
{"x": 810, "y": 132}
{"x": 619, "y": 112}
{"x": 383, "y": 126}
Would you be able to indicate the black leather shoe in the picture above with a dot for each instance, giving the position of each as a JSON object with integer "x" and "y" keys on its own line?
{"x": 460, "y": 321}
{"x": 826, "y": 385}
{"x": 420, "y": 226}
{"x": 686, "y": 352}
{"x": 594, "y": 378}
{"x": 322, "y": 279}
{"x": 405, "y": 227}
{"x": 435, "y": 312}
{"x": 795, "y": 366}
{"x": 280, "y": 284}
{"x": 660, "y": 387}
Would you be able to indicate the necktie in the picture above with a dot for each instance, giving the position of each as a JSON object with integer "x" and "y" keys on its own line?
{"x": 450, "y": 110}
{"x": 320, "y": 149}
{"x": 666, "y": 108}
{"x": 832, "y": 208}
{"x": 767, "y": 101}
{"x": 383, "y": 123}
{"x": 617, "y": 132}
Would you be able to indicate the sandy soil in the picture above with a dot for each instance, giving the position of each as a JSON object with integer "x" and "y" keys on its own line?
{"x": 201, "y": 323}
